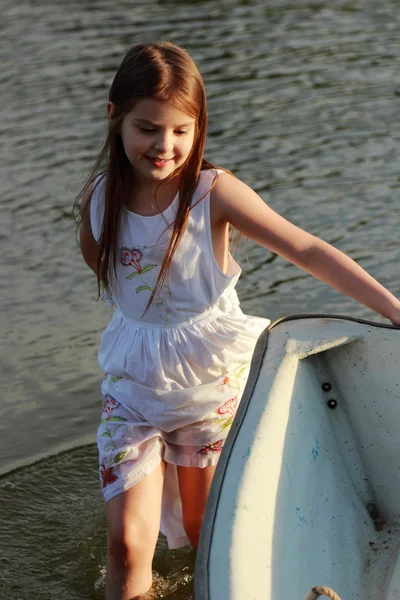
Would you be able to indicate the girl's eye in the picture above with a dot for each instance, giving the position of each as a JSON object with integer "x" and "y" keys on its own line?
{"x": 149, "y": 131}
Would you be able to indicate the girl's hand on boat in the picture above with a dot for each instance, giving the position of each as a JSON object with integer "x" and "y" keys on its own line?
{"x": 395, "y": 317}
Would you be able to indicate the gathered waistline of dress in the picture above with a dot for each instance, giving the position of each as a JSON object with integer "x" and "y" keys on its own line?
{"x": 208, "y": 315}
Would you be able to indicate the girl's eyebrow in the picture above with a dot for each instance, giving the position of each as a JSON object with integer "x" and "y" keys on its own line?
{"x": 142, "y": 120}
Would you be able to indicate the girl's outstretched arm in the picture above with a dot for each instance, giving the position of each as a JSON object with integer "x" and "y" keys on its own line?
{"x": 236, "y": 203}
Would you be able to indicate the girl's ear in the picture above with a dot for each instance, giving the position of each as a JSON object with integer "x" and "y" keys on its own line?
{"x": 111, "y": 109}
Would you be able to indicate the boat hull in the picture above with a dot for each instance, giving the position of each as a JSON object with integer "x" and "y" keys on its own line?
{"x": 307, "y": 491}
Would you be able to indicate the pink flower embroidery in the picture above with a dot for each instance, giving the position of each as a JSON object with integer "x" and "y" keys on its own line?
{"x": 229, "y": 407}
{"x": 215, "y": 447}
{"x": 109, "y": 405}
{"x": 107, "y": 475}
{"x": 131, "y": 257}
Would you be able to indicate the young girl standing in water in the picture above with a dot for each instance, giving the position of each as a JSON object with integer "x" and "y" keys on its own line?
{"x": 154, "y": 227}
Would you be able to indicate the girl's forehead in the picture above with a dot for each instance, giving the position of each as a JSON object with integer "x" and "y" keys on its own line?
{"x": 152, "y": 109}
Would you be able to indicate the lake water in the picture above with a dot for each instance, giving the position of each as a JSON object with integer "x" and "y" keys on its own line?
{"x": 304, "y": 106}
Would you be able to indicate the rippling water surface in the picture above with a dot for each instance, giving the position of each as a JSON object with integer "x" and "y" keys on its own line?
{"x": 304, "y": 106}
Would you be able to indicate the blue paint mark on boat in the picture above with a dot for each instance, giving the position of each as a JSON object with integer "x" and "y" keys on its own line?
{"x": 247, "y": 454}
{"x": 316, "y": 449}
{"x": 302, "y": 519}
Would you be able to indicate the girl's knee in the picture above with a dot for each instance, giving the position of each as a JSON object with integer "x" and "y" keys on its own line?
{"x": 126, "y": 541}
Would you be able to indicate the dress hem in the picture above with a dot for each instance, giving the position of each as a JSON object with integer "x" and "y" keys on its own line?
{"x": 123, "y": 485}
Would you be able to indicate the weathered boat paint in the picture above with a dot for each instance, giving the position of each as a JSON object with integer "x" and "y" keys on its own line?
{"x": 307, "y": 490}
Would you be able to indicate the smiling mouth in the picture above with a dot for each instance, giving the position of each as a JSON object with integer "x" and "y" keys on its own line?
{"x": 158, "y": 161}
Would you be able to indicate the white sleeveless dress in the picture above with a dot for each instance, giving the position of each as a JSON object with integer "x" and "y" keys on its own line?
{"x": 173, "y": 377}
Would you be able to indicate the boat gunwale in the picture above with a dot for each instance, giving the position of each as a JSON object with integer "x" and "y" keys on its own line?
{"x": 201, "y": 578}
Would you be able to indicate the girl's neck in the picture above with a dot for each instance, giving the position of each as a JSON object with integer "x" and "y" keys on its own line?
{"x": 149, "y": 198}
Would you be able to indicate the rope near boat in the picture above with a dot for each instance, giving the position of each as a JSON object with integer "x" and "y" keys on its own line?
{"x": 318, "y": 591}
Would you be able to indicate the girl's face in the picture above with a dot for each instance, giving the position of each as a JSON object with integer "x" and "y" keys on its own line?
{"x": 157, "y": 138}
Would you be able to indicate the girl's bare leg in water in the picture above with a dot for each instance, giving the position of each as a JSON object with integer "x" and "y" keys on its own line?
{"x": 194, "y": 486}
{"x": 133, "y": 523}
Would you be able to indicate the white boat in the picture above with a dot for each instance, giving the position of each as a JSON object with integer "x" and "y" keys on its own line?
{"x": 307, "y": 490}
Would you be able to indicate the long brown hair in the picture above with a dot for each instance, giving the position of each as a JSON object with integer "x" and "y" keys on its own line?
{"x": 165, "y": 72}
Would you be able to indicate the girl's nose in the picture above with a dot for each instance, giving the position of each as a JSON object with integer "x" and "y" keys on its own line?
{"x": 164, "y": 142}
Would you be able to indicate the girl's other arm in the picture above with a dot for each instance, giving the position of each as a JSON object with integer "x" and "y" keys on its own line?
{"x": 89, "y": 246}
{"x": 236, "y": 203}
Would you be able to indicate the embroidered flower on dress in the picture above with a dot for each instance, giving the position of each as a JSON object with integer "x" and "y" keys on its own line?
{"x": 227, "y": 412}
{"x": 107, "y": 475}
{"x": 131, "y": 257}
{"x": 214, "y": 448}
{"x": 229, "y": 407}
{"x": 224, "y": 380}
{"x": 109, "y": 405}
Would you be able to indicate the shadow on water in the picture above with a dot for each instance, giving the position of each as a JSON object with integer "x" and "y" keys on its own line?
{"x": 53, "y": 532}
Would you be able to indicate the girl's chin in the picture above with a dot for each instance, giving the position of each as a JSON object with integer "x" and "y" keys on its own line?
{"x": 147, "y": 170}
{"x": 160, "y": 171}
{"x": 153, "y": 175}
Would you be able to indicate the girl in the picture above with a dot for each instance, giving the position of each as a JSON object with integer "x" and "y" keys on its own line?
{"x": 154, "y": 227}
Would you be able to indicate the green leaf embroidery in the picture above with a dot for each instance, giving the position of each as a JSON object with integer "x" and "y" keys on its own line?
{"x": 242, "y": 370}
{"x": 113, "y": 379}
{"x": 115, "y": 419}
{"x": 142, "y": 287}
{"x": 118, "y": 457}
{"x": 106, "y": 433}
{"x": 227, "y": 423}
{"x": 144, "y": 270}
{"x": 148, "y": 268}
{"x": 132, "y": 275}
{"x": 110, "y": 446}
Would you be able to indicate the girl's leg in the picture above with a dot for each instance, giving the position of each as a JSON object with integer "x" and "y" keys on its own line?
{"x": 133, "y": 522}
{"x": 194, "y": 485}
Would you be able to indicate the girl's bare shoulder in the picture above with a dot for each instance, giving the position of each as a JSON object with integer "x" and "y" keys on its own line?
{"x": 232, "y": 198}
{"x": 235, "y": 202}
